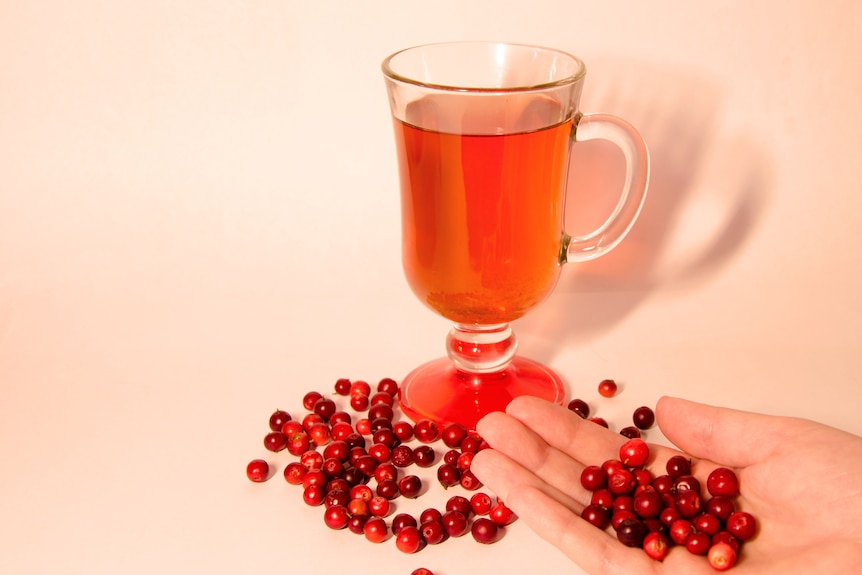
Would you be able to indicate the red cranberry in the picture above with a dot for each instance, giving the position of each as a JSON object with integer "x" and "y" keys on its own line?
{"x": 643, "y": 417}
{"x": 448, "y": 475}
{"x": 603, "y": 498}
{"x": 433, "y": 532}
{"x": 722, "y": 481}
{"x": 381, "y": 397}
{"x": 314, "y": 494}
{"x": 402, "y": 456}
{"x": 680, "y": 530}
{"x": 380, "y": 452}
{"x": 257, "y": 470}
{"x": 688, "y": 503}
{"x": 726, "y": 537}
{"x": 275, "y": 441}
{"x": 607, "y": 388}
{"x": 677, "y": 466}
{"x": 656, "y": 545}
{"x": 311, "y": 419}
{"x": 357, "y": 507}
{"x": 385, "y": 471}
{"x": 319, "y": 434}
{"x": 465, "y": 460}
{"x": 381, "y": 410}
{"x": 335, "y": 497}
{"x": 593, "y": 477}
{"x": 484, "y": 530}
{"x": 742, "y": 525}
{"x": 621, "y": 481}
{"x": 687, "y": 483}
{"x": 647, "y": 503}
{"x": 451, "y": 457}
{"x": 698, "y": 543}
{"x": 362, "y": 492}
{"x": 277, "y": 420}
{"x": 596, "y": 515}
{"x": 720, "y": 506}
{"x": 403, "y": 430}
{"x": 622, "y": 515}
{"x": 453, "y": 434}
{"x": 580, "y": 407}
{"x": 342, "y": 386}
{"x": 363, "y": 426}
{"x": 359, "y": 402}
{"x": 630, "y": 431}
{"x": 663, "y": 483}
{"x": 408, "y": 540}
{"x": 332, "y": 467}
{"x": 310, "y": 399}
{"x": 337, "y": 450}
{"x": 600, "y": 421}
{"x": 375, "y": 529}
{"x": 707, "y": 523}
{"x": 336, "y": 517}
{"x": 631, "y": 532}
{"x": 634, "y": 452}
{"x": 401, "y": 521}
{"x": 388, "y": 385}
{"x": 469, "y": 481}
{"x": 426, "y": 431}
{"x": 388, "y": 488}
{"x": 410, "y": 486}
{"x": 424, "y": 456}
{"x": 459, "y": 503}
{"x": 341, "y": 430}
{"x": 340, "y": 417}
{"x": 294, "y": 472}
{"x": 357, "y": 523}
{"x": 430, "y": 514}
{"x": 422, "y": 571}
{"x": 379, "y": 506}
{"x": 481, "y": 503}
{"x": 455, "y": 523}
{"x": 360, "y": 387}
{"x": 471, "y": 444}
{"x": 501, "y": 514}
{"x": 721, "y": 556}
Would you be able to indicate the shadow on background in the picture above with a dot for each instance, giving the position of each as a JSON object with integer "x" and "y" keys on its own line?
{"x": 707, "y": 193}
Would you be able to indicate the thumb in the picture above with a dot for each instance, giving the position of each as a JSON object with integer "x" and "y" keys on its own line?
{"x": 724, "y": 436}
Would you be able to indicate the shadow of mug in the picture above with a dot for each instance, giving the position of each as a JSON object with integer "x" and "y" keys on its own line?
{"x": 706, "y": 195}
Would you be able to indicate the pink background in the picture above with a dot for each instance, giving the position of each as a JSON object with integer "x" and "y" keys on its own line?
{"x": 199, "y": 223}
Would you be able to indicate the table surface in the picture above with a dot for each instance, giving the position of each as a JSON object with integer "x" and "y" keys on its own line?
{"x": 199, "y": 222}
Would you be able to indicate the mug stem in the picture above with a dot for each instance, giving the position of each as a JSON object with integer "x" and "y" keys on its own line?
{"x": 481, "y": 348}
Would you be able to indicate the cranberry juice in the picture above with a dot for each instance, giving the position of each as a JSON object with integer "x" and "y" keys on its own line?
{"x": 482, "y": 218}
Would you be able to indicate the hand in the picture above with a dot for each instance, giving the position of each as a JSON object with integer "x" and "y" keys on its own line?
{"x": 801, "y": 480}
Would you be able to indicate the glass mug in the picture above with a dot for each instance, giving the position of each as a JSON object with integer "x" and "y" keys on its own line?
{"x": 484, "y": 133}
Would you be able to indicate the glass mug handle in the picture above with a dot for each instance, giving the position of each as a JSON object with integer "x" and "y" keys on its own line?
{"x": 614, "y": 229}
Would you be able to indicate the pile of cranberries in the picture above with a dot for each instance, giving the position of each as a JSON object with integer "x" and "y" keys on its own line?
{"x": 658, "y": 512}
{"x": 355, "y": 464}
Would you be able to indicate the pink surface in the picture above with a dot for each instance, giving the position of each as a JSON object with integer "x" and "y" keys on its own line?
{"x": 199, "y": 222}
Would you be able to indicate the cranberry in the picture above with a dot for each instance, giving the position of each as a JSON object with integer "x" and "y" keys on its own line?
{"x": 726, "y": 537}
{"x": 621, "y": 481}
{"x": 402, "y": 456}
{"x": 403, "y": 430}
{"x": 722, "y": 481}
{"x": 471, "y": 444}
{"x": 593, "y": 477}
{"x": 319, "y": 434}
{"x": 643, "y": 477}
{"x": 600, "y": 421}
{"x": 355, "y": 440}
{"x": 422, "y": 571}
{"x": 656, "y": 545}
{"x": 742, "y": 525}
{"x": 501, "y": 514}
{"x": 379, "y": 506}
{"x": 362, "y": 492}
{"x": 360, "y": 387}
{"x": 375, "y": 530}
{"x": 687, "y": 483}
{"x": 680, "y": 530}
{"x": 314, "y": 477}
{"x": 631, "y": 532}
{"x": 311, "y": 459}
{"x": 357, "y": 523}
{"x": 663, "y": 483}
{"x": 647, "y": 503}
{"x": 388, "y": 488}
{"x": 481, "y": 503}
{"x": 366, "y": 464}
{"x": 408, "y": 540}
{"x": 433, "y": 532}
{"x": 294, "y": 472}
{"x": 622, "y": 515}
{"x": 341, "y": 430}
{"x": 424, "y": 456}
{"x": 426, "y": 431}
{"x": 580, "y": 407}
{"x": 384, "y": 435}
{"x": 607, "y": 388}
{"x": 469, "y": 481}
{"x": 596, "y": 515}
{"x": 381, "y": 397}
{"x": 338, "y": 497}
{"x": 311, "y": 419}
{"x": 336, "y": 517}
{"x": 314, "y": 494}
{"x": 275, "y": 441}
{"x": 380, "y": 410}
{"x": 451, "y": 457}
{"x": 460, "y": 503}
{"x": 448, "y": 475}
{"x": 455, "y": 523}
{"x": 630, "y": 431}
{"x": 634, "y": 452}
{"x": 292, "y": 427}
{"x": 603, "y": 498}
{"x": 410, "y": 486}
{"x": 453, "y": 434}
{"x": 337, "y": 450}
{"x": 380, "y": 452}
{"x": 310, "y": 399}
{"x": 385, "y": 471}
{"x": 388, "y": 385}
{"x": 338, "y": 483}
{"x": 257, "y": 470}
{"x": 485, "y": 531}
{"x": 707, "y": 523}
{"x": 430, "y": 514}
{"x": 363, "y": 426}
{"x": 677, "y": 466}
{"x": 688, "y": 503}
{"x": 465, "y": 460}
{"x": 623, "y": 503}
{"x": 357, "y": 507}
{"x": 721, "y": 556}
{"x": 277, "y": 420}
{"x": 342, "y": 386}
{"x": 643, "y": 417}
{"x": 382, "y": 423}
{"x": 698, "y": 543}
{"x": 401, "y": 521}
{"x": 720, "y": 506}
{"x": 359, "y": 402}
{"x": 669, "y": 515}
{"x": 340, "y": 417}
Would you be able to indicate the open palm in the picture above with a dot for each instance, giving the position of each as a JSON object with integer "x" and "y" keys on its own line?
{"x": 800, "y": 479}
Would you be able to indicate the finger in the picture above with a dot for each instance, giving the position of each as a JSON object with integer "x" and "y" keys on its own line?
{"x": 592, "y": 549}
{"x": 520, "y": 457}
{"x": 724, "y": 436}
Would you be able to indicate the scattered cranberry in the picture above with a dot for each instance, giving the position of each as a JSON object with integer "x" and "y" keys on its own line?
{"x": 630, "y": 431}
{"x": 600, "y": 421}
{"x": 742, "y": 525}
{"x": 359, "y": 402}
{"x": 424, "y": 456}
{"x": 634, "y": 452}
{"x": 455, "y": 523}
{"x": 722, "y": 481}
{"x": 580, "y": 407}
{"x": 721, "y": 556}
{"x": 677, "y": 466}
{"x": 277, "y": 420}
{"x": 448, "y": 475}
{"x": 310, "y": 399}
{"x": 607, "y": 388}
{"x": 631, "y": 532}
{"x": 360, "y": 387}
{"x": 408, "y": 540}
{"x": 401, "y": 521}
{"x": 593, "y": 477}
{"x": 484, "y": 530}
{"x": 422, "y": 571}
{"x": 501, "y": 514}
{"x": 656, "y": 545}
{"x": 375, "y": 529}
{"x": 433, "y": 532}
{"x": 426, "y": 431}
{"x": 257, "y": 470}
{"x": 294, "y": 472}
{"x": 410, "y": 486}
{"x": 643, "y": 417}
{"x": 342, "y": 386}
{"x": 481, "y": 503}
{"x": 388, "y": 385}
{"x": 275, "y": 441}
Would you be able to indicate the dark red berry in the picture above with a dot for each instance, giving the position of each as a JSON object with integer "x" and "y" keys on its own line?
{"x": 630, "y": 431}
{"x": 424, "y": 456}
{"x": 455, "y": 523}
{"x": 275, "y": 441}
{"x": 257, "y": 470}
{"x": 501, "y": 514}
{"x": 409, "y": 540}
{"x": 742, "y": 525}
{"x": 485, "y": 531}
{"x": 698, "y": 543}
{"x": 336, "y": 517}
{"x": 401, "y": 521}
{"x": 634, "y": 452}
{"x": 310, "y": 399}
{"x": 433, "y": 532}
{"x": 721, "y": 556}
{"x": 722, "y": 481}
{"x": 342, "y": 386}
{"x": 643, "y": 417}
{"x": 410, "y": 486}
{"x": 593, "y": 477}
{"x": 677, "y": 466}
{"x": 426, "y": 431}
{"x": 607, "y": 388}
{"x": 596, "y": 515}
{"x": 599, "y": 421}
{"x": 453, "y": 434}
{"x": 631, "y": 532}
{"x": 580, "y": 407}
{"x": 388, "y": 385}
{"x": 656, "y": 545}
{"x": 375, "y": 529}
{"x": 277, "y": 420}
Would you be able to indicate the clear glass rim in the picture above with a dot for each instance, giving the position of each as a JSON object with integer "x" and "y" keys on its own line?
{"x": 580, "y": 71}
